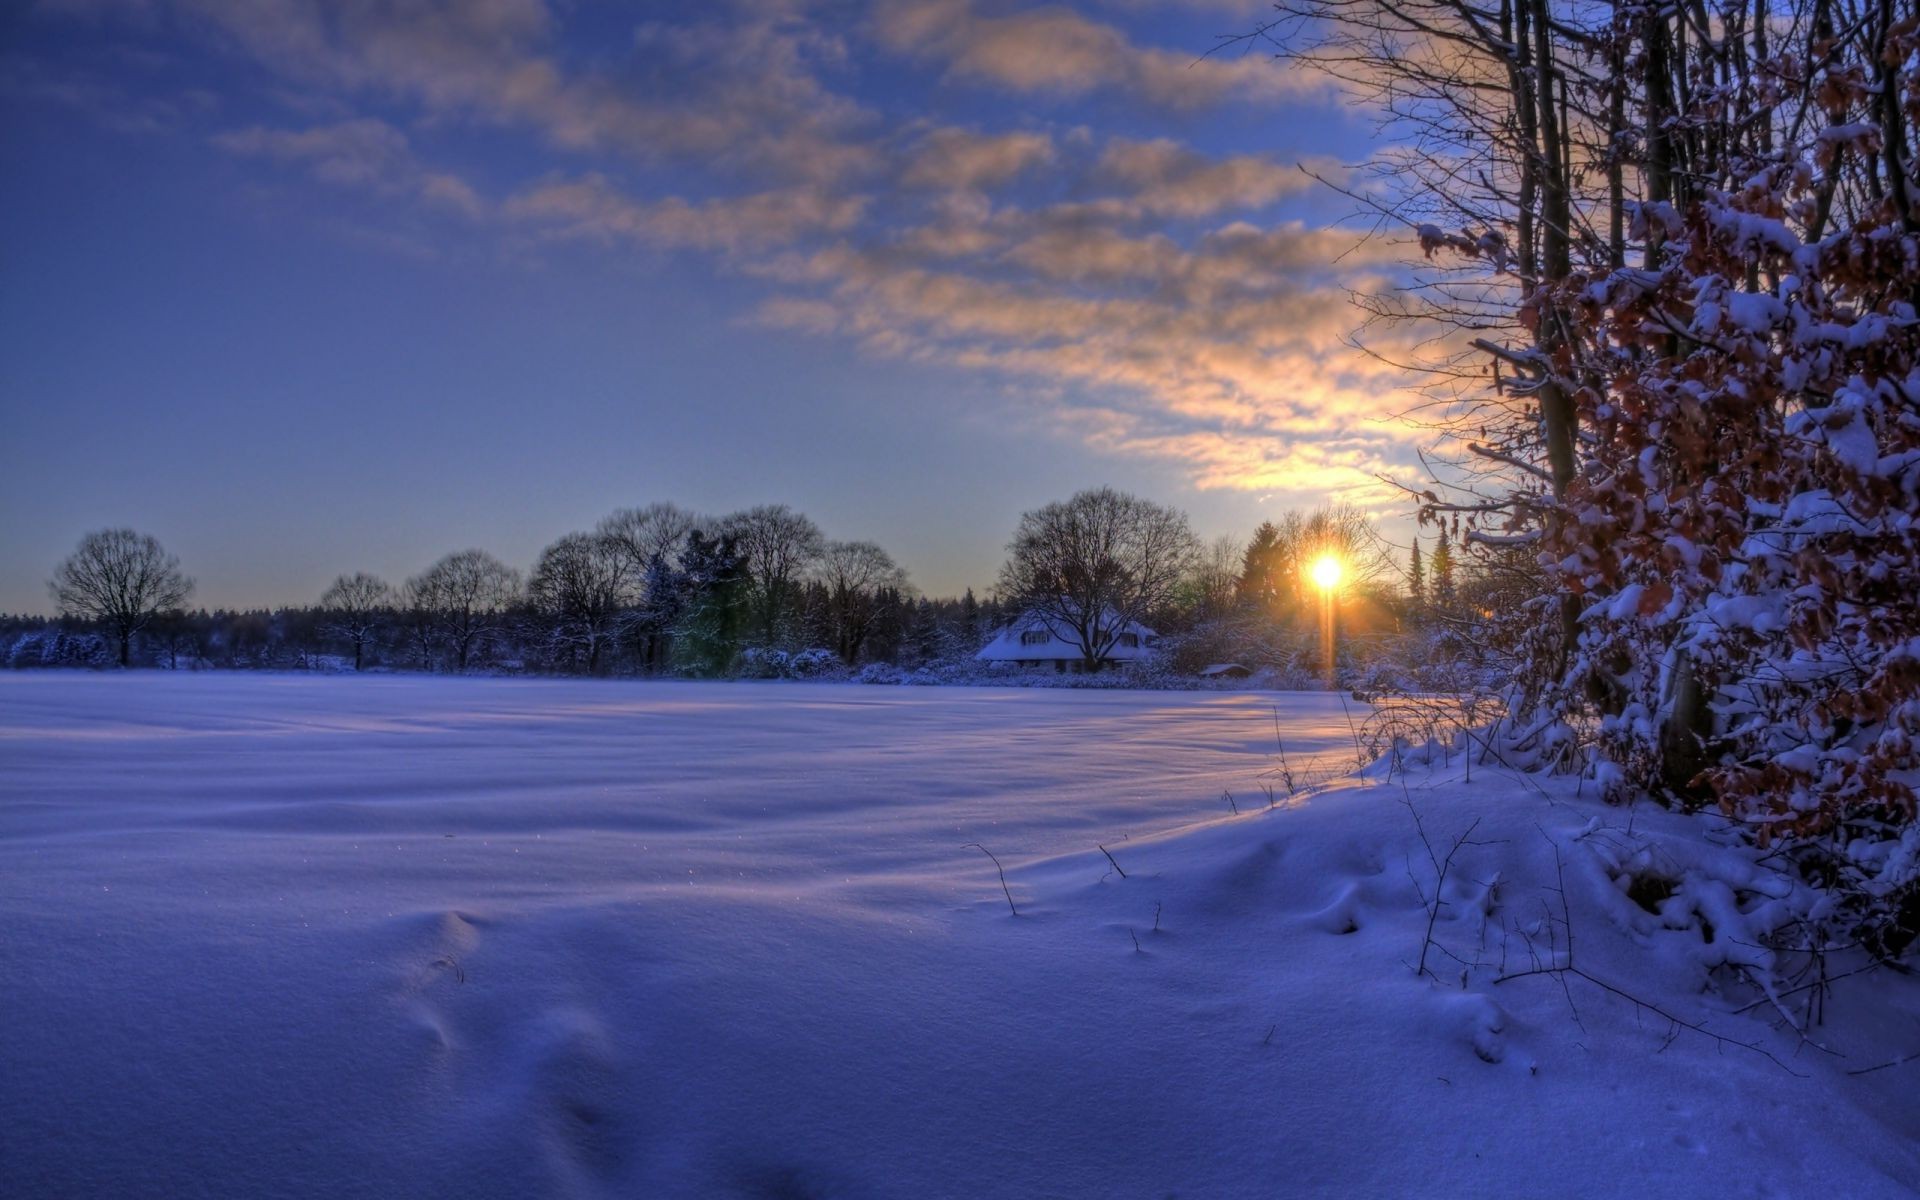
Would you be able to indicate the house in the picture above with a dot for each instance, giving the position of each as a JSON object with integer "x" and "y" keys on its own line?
{"x": 1037, "y": 641}
{"x": 1226, "y": 671}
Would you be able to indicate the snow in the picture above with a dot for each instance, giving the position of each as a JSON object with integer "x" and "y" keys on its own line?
{"x": 295, "y": 936}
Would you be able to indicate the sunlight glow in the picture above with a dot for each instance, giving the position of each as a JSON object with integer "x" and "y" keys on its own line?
{"x": 1326, "y": 573}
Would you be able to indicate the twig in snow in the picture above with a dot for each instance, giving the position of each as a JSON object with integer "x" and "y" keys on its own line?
{"x": 1359, "y": 755}
{"x": 1111, "y": 859}
{"x": 1286, "y": 769}
{"x": 1156, "y": 916}
{"x": 1656, "y": 1010}
{"x": 1136, "y": 940}
{"x": 1904, "y": 1058}
{"x": 1003, "y": 874}
{"x": 1440, "y": 881}
{"x": 1561, "y": 966}
{"x": 1269, "y": 1037}
{"x": 1230, "y": 803}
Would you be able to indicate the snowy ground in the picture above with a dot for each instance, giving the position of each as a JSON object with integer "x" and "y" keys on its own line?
{"x": 289, "y": 936}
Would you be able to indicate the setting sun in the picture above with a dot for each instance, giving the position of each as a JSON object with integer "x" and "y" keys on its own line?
{"x": 1326, "y": 573}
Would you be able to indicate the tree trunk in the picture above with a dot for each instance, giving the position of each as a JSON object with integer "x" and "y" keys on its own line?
{"x": 1683, "y": 731}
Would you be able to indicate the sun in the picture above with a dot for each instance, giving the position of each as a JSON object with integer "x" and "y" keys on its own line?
{"x": 1326, "y": 572}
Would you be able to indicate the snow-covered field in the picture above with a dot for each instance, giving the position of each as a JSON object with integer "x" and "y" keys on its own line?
{"x": 290, "y": 936}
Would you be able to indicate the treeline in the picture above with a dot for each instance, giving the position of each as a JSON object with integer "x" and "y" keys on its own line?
{"x": 764, "y": 593}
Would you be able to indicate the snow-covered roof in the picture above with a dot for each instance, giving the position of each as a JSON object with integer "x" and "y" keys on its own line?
{"x": 1235, "y": 670}
{"x": 1021, "y": 641}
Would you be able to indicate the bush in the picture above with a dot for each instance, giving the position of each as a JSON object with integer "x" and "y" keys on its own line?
{"x": 58, "y": 648}
{"x": 812, "y": 663}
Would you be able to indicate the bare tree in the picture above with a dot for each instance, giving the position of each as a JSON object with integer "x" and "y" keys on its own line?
{"x": 854, "y": 575}
{"x": 584, "y": 582}
{"x": 358, "y": 606}
{"x": 1216, "y": 576}
{"x": 643, "y": 534}
{"x": 466, "y": 594}
{"x": 122, "y": 579}
{"x": 653, "y": 538}
{"x": 777, "y": 545}
{"x": 1091, "y": 566}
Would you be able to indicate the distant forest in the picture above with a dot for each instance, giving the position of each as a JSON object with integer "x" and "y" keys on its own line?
{"x": 763, "y": 593}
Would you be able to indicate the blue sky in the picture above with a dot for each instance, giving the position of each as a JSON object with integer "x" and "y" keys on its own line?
{"x": 312, "y": 286}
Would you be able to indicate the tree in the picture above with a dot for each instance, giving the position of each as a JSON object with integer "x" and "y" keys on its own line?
{"x": 358, "y": 606}
{"x": 1264, "y": 569}
{"x": 464, "y": 596}
{"x": 713, "y": 605}
{"x": 1216, "y": 578}
{"x": 1091, "y": 566}
{"x": 122, "y": 579}
{"x": 1675, "y": 248}
{"x": 642, "y": 534}
{"x": 855, "y": 575}
{"x": 662, "y": 600}
{"x": 1416, "y": 577}
{"x": 584, "y": 583}
{"x": 969, "y": 623}
{"x": 776, "y": 545}
{"x": 1444, "y": 587}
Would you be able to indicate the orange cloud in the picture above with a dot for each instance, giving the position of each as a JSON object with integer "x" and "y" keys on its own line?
{"x": 1060, "y": 52}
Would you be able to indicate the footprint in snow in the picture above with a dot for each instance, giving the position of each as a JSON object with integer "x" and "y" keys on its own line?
{"x": 1478, "y": 1020}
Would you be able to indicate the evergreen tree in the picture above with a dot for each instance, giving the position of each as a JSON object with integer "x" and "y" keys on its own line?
{"x": 969, "y": 623}
{"x": 1417, "y": 577}
{"x": 659, "y": 611}
{"x": 1257, "y": 588}
{"x": 885, "y": 635}
{"x": 715, "y": 601}
{"x": 1443, "y": 589}
{"x": 923, "y": 640}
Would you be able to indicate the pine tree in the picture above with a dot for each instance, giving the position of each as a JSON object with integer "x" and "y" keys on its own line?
{"x": 1257, "y": 588}
{"x": 922, "y": 635}
{"x": 1443, "y": 589}
{"x": 1417, "y": 578}
{"x": 659, "y": 611}
{"x": 969, "y": 623}
{"x": 715, "y": 603}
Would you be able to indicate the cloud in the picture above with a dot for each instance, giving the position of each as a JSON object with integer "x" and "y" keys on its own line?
{"x": 1165, "y": 178}
{"x": 364, "y": 153}
{"x": 959, "y": 160}
{"x": 102, "y": 95}
{"x": 736, "y": 92}
{"x": 1346, "y": 468}
{"x": 1056, "y": 51}
{"x": 591, "y": 207}
{"x": 1237, "y": 341}
{"x": 1119, "y": 282}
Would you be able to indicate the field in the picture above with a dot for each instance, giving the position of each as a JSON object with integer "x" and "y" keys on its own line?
{"x": 292, "y": 936}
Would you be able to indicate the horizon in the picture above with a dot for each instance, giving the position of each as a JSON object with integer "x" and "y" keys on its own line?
{"x": 353, "y": 289}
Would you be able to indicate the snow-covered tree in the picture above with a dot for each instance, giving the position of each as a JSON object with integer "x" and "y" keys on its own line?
{"x": 1683, "y": 248}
